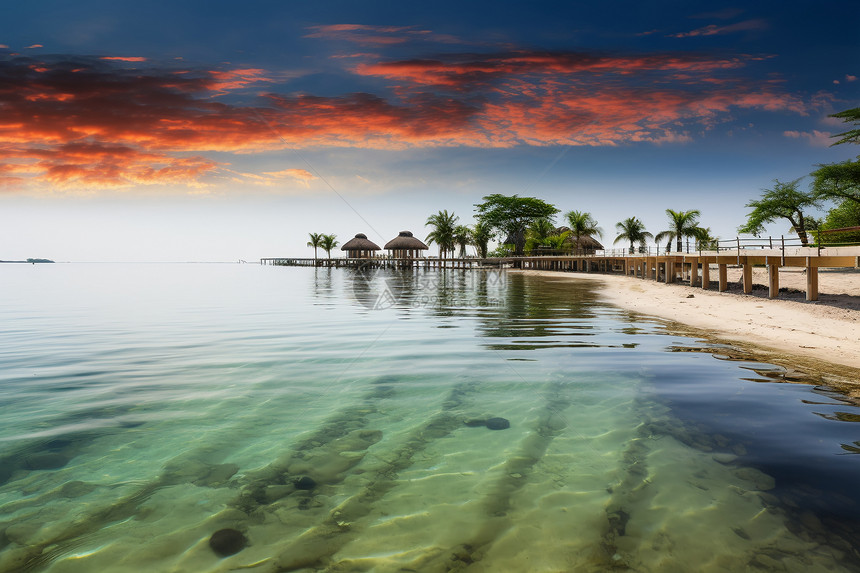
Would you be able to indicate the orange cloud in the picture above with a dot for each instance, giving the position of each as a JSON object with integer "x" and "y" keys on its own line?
{"x": 95, "y": 166}
{"x": 815, "y": 138}
{"x": 473, "y": 70}
{"x": 713, "y": 30}
{"x": 73, "y": 122}
{"x": 237, "y": 79}
{"x": 124, "y": 58}
{"x": 302, "y": 174}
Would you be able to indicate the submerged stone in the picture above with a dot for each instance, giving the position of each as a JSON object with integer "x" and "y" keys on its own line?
{"x": 305, "y": 483}
{"x": 498, "y": 424}
{"x": 226, "y": 542}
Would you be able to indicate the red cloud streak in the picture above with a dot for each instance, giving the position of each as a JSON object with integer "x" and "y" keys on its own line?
{"x": 90, "y": 123}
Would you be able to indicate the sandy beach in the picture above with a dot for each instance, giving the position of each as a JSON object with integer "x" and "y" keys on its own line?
{"x": 824, "y": 334}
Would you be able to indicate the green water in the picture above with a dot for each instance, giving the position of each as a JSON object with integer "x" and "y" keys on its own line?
{"x": 145, "y": 407}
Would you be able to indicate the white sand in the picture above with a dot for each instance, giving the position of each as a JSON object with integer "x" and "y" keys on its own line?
{"x": 822, "y": 332}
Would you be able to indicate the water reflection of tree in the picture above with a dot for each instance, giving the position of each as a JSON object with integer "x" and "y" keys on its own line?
{"x": 322, "y": 282}
{"x": 547, "y": 313}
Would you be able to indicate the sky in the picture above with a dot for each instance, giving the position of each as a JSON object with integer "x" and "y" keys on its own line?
{"x": 216, "y": 131}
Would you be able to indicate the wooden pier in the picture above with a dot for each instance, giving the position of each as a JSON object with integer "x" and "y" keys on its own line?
{"x": 395, "y": 263}
{"x": 670, "y": 267}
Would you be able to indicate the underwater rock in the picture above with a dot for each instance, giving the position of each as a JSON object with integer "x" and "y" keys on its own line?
{"x": 45, "y": 461}
{"x": 275, "y": 492}
{"x": 498, "y": 424}
{"x": 226, "y": 542}
{"x": 217, "y": 475}
{"x": 762, "y": 481}
{"x": 75, "y": 489}
{"x": 724, "y": 458}
{"x": 6, "y": 471}
{"x": 305, "y": 483}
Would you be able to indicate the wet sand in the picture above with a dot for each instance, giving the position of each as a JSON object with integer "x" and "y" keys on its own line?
{"x": 825, "y": 331}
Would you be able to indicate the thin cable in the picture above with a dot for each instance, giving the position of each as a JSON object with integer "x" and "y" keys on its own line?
{"x": 315, "y": 172}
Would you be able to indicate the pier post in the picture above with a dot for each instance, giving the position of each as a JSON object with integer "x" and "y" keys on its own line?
{"x": 706, "y": 275}
{"x": 724, "y": 280}
{"x": 694, "y": 274}
{"x": 772, "y": 281}
{"x": 811, "y": 280}
{"x": 747, "y": 278}
{"x": 670, "y": 271}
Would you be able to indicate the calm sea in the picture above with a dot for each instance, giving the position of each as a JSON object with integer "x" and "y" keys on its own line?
{"x": 217, "y": 417}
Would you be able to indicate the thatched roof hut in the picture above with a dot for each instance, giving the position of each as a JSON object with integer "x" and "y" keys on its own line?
{"x": 405, "y": 246}
{"x": 359, "y": 247}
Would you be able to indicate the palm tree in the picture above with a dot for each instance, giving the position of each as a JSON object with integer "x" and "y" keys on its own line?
{"x": 329, "y": 242}
{"x": 705, "y": 241}
{"x": 315, "y": 242}
{"x": 681, "y": 224}
{"x": 633, "y": 230}
{"x": 538, "y": 232}
{"x": 557, "y": 242}
{"x": 443, "y": 231}
{"x": 582, "y": 225}
{"x": 462, "y": 238}
{"x": 481, "y": 235}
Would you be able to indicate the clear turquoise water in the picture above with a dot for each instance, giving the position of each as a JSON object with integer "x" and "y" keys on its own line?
{"x": 145, "y": 407}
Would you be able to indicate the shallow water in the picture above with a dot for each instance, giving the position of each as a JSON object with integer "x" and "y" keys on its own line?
{"x": 145, "y": 407}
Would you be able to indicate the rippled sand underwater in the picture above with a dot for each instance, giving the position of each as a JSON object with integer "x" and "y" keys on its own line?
{"x": 333, "y": 436}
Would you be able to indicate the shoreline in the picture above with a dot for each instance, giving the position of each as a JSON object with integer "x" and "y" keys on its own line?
{"x": 824, "y": 335}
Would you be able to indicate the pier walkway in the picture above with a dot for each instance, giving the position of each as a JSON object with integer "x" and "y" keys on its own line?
{"x": 670, "y": 267}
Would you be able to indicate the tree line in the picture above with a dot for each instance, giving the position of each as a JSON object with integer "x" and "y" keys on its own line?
{"x": 836, "y": 182}
{"x": 324, "y": 242}
{"x": 527, "y": 224}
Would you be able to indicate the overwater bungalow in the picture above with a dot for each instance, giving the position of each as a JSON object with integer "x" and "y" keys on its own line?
{"x": 405, "y": 246}
{"x": 360, "y": 247}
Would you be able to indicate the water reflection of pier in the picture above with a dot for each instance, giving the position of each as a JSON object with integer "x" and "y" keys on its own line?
{"x": 671, "y": 267}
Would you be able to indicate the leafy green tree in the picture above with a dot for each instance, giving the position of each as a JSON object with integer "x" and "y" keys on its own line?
{"x": 503, "y": 250}
{"x": 845, "y": 215}
{"x": 705, "y": 241}
{"x": 837, "y": 181}
{"x": 481, "y": 235}
{"x": 444, "y": 225}
{"x": 557, "y": 241}
{"x": 328, "y": 243}
{"x": 681, "y": 224}
{"x": 315, "y": 242}
{"x": 462, "y": 238}
{"x": 633, "y": 230}
{"x": 537, "y": 233}
{"x": 582, "y": 225}
{"x": 840, "y": 181}
{"x": 511, "y": 215}
{"x": 849, "y": 116}
{"x": 783, "y": 201}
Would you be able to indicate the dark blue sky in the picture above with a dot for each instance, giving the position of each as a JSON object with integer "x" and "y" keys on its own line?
{"x": 318, "y": 110}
